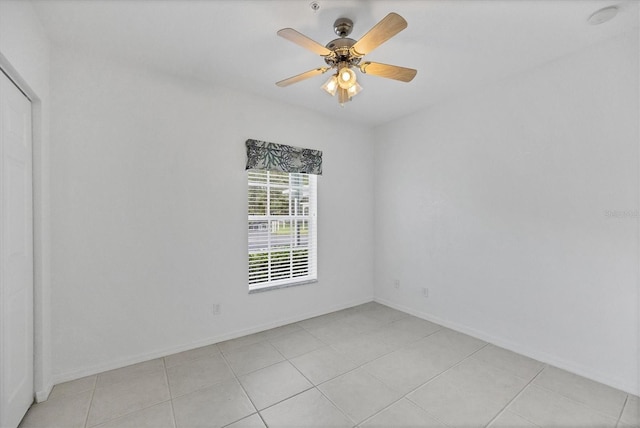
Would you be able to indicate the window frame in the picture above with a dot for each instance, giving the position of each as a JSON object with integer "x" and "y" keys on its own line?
{"x": 294, "y": 221}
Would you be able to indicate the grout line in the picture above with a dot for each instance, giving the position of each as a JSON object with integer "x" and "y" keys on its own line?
{"x": 626, "y": 400}
{"x": 446, "y": 370}
{"x": 262, "y": 419}
{"x": 504, "y": 409}
{"x": 421, "y": 385}
{"x": 253, "y": 371}
{"x": 303, "y": 375}
{"x": 575, "y": 401}
{"x": 337, "y": 407}
{"x": 93, "y": 392}
{"x": 166, "y": 376}
{"x": 624, "y": 406}
{"x": 191, "y": 360}
{"x": 235, "y": 376}
{"x": 285, "y": 399}
{"x": 115, "y": 418}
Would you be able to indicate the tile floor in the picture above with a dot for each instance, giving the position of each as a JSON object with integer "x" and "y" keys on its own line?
{"x": 368, "y": 366}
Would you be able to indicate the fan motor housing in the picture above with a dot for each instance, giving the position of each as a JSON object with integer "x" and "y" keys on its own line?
{"x": 341, "y": 48}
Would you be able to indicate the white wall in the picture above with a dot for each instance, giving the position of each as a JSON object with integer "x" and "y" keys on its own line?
{"x": 24, "y": 56}
{"x": 498, "y": 204}
{"x": 149, "y": 204}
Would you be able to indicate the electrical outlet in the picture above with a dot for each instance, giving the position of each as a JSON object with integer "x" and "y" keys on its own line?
{"x": 425, "y": 292}
{"x": 216, "y": 309}
{"x": 396, "y": 283}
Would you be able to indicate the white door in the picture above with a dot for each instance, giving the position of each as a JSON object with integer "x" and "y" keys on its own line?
{"x": 16, "y": 255}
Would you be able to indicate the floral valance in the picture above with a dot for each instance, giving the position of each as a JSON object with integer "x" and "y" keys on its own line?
{"x": 278, "y": 157}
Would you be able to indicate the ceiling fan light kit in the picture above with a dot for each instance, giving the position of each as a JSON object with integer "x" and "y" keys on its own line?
{"x": 347, "y": 77}
{"x": 345, "y": 54}
{"x": 331, "y": 85}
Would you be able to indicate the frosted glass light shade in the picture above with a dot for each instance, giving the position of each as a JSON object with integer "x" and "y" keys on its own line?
{"x": 331, "y": 85}
{"x": 346, "y": 78}
{"x": 354, "y": 90}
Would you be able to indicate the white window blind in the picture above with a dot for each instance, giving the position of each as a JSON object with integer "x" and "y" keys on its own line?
{"x": 282, "y": 229}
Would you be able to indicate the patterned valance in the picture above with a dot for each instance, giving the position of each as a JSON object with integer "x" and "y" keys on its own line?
{"x": 278, "y": 157}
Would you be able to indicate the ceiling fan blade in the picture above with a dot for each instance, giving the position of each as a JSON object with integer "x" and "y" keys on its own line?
{"x": 389, "y": 71}
{"x": 388, "y": 27}
{"x": 302, "y": 40}
{"x": 302, "y": 76}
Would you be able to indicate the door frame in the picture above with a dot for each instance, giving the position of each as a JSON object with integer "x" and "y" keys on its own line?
{"x": 42, "y": 379}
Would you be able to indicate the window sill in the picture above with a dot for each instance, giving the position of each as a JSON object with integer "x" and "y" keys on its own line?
{"x": 279, "y": 286}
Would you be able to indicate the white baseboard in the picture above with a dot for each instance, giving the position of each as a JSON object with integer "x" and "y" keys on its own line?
{"x": 626, "y": 385}
{"x": 43, "y": 395}
{"x": 123, "y": 362}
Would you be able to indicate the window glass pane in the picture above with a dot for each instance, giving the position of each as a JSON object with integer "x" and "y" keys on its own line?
{"x": 300, "y": 233}
{"x": 279, "y": 201}
{"x": 257, "y": 200}
{"x": 280, "y": 264}
{"x": 279, "y": 178}
{"x": 300, "y": 262}
{"x": 258, "y": 235}
{"x": 280, "y": 234}
{"x": 258, "y": 267}
{"x": 257, "y": 177}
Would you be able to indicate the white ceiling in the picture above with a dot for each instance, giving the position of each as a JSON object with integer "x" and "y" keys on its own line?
{"x": 455, "y": 45}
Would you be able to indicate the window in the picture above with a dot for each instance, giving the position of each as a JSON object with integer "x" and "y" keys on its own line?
{"x": 282, "y": 229}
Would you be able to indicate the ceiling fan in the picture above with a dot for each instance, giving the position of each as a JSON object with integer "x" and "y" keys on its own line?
{"x": 344, "y": 54}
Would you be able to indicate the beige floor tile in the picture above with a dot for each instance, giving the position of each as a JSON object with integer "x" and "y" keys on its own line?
{"x": 514, "y": 363}
{"x": 215, "y": 406}
{"x": 362, "y": 322}
{"x": 273, "y": 384}
{"x": 358, "y": 394}
{"x": 240, "y": 342}
{"x": 252, "y": 357}
{"x": 408, "y": 368}
{"x": 120, "y": 398}
{"x": 546, "y": 408}
{"x": 372, "y": 305}
{"x": 384, "y": 314}
{"x": 403, "y": 414}
{"x": 321, "y": 320}
{"x": 334, "y": 331}
{"x": 280, "y": 331}
{"x": 129, "y": 373}
{"x": 511, "y": 420}
{"x": 416, "y": 326}
{"x": 394, "y": 337}
{"x": 253, "y": 421}
{"x": 193, "y": 354}
{"x": 363, "y": 348}
{"x": 73, "y": 387}
{"x": 595, "y": 395}
{"x": 309, "y": 410}
{"x": 293, "y": 344}
{"x": 158, "y": 416}
{"x": 197, "y": 374}
{"x": 323, "y": 364}
{"x": 450, "y": 378}
{"x": 413, "y": 365}
{"x": 470, "y": 394}
{"x": 455, "y": 340}
{"x": 631, "y": 413}
{"x": 68, "y": 411}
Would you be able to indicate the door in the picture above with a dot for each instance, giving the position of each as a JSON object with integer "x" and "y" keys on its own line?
{"x": 16, "y": 255}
